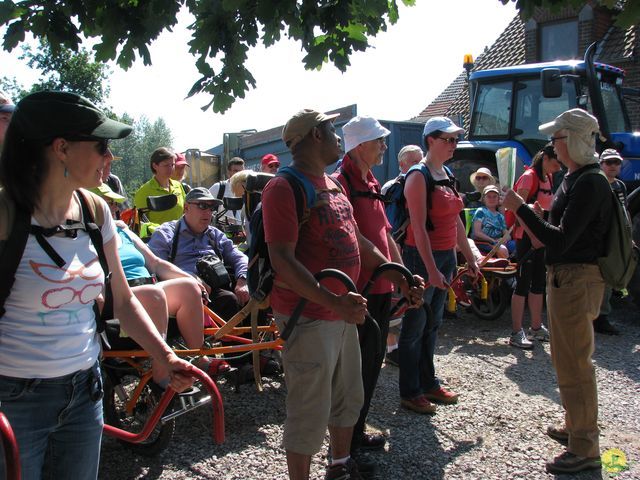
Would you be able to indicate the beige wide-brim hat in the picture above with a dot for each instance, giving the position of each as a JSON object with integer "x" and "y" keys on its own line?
{"x": 483, "y": 171}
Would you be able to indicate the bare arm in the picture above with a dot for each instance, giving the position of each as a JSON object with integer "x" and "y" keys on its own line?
{"x": 136, "y": 322}
{"x": 478, "y": 234}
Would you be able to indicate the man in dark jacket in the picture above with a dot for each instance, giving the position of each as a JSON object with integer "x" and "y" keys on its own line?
{"x": 574, "y": 238}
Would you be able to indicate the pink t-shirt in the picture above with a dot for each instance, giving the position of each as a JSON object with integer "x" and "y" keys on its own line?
{"x": 544, "y": 196}
{"x": 444, "y": 211}
{"x": 370, "y": 217}
{"x": 326, "y": 240}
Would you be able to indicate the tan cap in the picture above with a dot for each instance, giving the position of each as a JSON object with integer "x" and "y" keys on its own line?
{"x": 301, "y": 123}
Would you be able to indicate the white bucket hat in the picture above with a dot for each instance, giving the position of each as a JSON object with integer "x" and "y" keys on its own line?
{"x": 362, "y": 129}
{"x": 583, "y": 128}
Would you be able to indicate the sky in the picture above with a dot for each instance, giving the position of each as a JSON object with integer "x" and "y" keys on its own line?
{"x": 407, "y": 67}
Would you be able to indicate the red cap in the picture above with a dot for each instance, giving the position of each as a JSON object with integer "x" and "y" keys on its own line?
{"x": 181, "y": 160}
{"x": 270, "y": 159}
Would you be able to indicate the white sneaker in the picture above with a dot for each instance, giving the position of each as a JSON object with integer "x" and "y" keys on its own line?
{"x": 542, "y": 334}
{"x": 519, "y": 340}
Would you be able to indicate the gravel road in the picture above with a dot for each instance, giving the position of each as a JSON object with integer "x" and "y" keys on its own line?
{"x": 497, "y": 431}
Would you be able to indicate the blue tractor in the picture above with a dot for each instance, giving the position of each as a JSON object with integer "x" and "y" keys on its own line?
{"x": 508, "y": 104}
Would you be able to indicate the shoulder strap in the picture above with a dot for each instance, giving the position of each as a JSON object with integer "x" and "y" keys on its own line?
{"x": 358, "y": 193}
{"x": 303, "y": 198}
{"x": 17, "y": 223}
{"x": 222, "y": 187}
{"x": 92, "y": 213}
{"x": 174, "y": 242}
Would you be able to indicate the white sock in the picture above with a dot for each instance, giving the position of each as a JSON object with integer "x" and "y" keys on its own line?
{"x": 340, "y": 461}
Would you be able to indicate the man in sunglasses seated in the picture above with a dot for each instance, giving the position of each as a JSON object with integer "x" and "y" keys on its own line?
{"x": 196, "y": 239}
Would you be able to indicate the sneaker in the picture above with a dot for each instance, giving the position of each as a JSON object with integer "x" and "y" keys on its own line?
{"x": 347, "y": 471}
{"x": 559, "y": 434}
{"x": 568, "y": 462}
{"x": 519, "y": 340}
{"x": 393, "y": 358}
{"x": 602, "y": 325}
{"x": 368, "y": 441}
{"x": 541, "y": 334}
{"x": 419, "y": 404}
{"x": 442, "y": 395}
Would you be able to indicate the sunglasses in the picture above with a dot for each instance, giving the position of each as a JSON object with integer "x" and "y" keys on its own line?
{"x": 555, "y": 139}
{"x": 611, "y": 162}
{"x": 102, "y": 146}
{"x": 449, "y": 140}
{"x": 204, "y": 205}
{"x": 482, "y": 177}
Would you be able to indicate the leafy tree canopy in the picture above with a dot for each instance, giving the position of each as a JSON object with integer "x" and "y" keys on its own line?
{"x": 222, "y": 32}
{"x": 628, "y": 10}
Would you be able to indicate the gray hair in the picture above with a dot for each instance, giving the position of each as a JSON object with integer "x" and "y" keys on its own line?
{"x": 408, "y": 148}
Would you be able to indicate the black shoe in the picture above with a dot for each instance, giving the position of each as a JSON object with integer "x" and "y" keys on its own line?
{"x": 366, "y": 467}
{"x": 348, "y": 471}
{"x": 368, "y": 441}
{"x": 602, "y": 325}
{"x": 393, "y": 358}
{"x": 568, "y": 462}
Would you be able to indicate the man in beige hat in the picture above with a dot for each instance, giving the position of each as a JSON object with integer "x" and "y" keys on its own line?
{"x": 574, "y": 238}
{"x": 321, "y": 358}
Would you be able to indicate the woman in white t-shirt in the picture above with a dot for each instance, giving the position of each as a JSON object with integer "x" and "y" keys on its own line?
{"x": 50, "y": 381}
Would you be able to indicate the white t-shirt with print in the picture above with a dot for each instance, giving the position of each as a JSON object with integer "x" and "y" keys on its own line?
{"x": 48, "y": 329}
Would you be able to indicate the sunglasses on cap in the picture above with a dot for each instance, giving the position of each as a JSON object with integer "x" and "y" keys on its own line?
{"x": 103, "y": 143}
{"x": 204, "y": 205}
{"x": 612, "y": 161}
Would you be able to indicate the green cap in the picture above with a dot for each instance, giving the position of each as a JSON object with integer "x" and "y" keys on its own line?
{"x": 48, "y": 115}
{"x": 105, "y": 191}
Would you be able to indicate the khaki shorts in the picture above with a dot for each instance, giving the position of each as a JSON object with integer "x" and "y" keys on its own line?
{"x": 322, "y": 371}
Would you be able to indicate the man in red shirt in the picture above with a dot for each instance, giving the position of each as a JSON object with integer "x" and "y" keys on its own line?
{"x": 321, "y": 358}
{"x": 365, "y": 145}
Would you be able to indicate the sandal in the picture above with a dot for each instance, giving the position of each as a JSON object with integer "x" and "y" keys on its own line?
{"x": 216, "y": 367}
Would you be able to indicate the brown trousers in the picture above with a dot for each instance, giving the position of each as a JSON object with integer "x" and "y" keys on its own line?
{"x": 574, "y": 294}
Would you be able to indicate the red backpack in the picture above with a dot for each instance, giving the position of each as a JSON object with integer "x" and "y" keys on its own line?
{"x": 509, "y": 216}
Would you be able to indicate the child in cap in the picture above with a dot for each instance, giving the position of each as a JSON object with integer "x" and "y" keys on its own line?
{"x": 489, "y": 224}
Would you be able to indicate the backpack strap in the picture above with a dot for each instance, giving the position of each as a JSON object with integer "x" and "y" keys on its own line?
{"x": 353, "y": 193}
{"x": 174, "y": 242}
{"x": 16, "y": 223}
{"x": 93, "y": 217}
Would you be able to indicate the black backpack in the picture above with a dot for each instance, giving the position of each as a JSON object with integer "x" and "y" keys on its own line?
{"x": 260, "y": 274}
{"x": 18, "y": 223}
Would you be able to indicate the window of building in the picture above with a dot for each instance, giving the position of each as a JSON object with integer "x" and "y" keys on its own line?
{"x": 559, "y": 41}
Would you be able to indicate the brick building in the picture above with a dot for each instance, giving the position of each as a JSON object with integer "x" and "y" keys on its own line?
{"x": 547, "y": 36}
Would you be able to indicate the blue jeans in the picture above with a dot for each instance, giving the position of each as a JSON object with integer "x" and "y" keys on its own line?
{"x": 420, "y": 327}
{"x": 57, "y": 425}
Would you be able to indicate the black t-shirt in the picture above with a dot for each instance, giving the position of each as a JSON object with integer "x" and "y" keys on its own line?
{"x": 578, "y": 220}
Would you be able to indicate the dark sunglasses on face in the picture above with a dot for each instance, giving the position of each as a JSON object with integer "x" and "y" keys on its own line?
{"x": 482, "y": 177}
{"x": 611, "y": 162}
{"x": 204, "y": 205}
{"x": 450, "y": 140}
{"x": 555, "y": 139}
{"x": 102, "y": 146}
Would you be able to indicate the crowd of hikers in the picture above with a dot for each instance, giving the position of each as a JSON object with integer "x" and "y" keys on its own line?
{"x": 68, "y": 262}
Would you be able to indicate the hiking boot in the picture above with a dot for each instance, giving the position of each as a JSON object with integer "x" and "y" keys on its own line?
{"x": 442, "y": 395}
{"x": 368, "y": 441}
{"x": 393, "y": 358}
{"x": 347, "y": 471}
{"x": 602, "y": 325}
{"x": 559, "y": 434}
{"x": 419, "y": 404}
{"x": 519, "y": 340}
{"x": 541, "y": 334}
{"x": 568, "y": 462}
